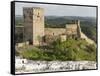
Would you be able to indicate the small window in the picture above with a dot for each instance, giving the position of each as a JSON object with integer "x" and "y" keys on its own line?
{"x": 38, "y": 15}
{"x": 53, "y": 33}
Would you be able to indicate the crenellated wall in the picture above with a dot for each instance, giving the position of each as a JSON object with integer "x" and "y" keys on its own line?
{"x": 54, "y": 31}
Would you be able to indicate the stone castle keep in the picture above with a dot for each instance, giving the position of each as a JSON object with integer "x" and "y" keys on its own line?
{"x": 33, "y": 24}
{"x": 34, "y": 27}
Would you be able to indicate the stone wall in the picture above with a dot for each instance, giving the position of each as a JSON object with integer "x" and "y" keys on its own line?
{"x": 83, "y": 36}
{"x": 54, "y": 31}
{"x": 71, "y": 29}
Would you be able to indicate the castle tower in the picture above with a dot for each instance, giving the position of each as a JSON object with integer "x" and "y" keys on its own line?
{"x": 74, "y": 30}
{"x": 78, "y": 28}
{"x": 33, "y": 24}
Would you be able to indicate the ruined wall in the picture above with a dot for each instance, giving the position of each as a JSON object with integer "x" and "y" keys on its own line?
{"x": 74, "y": 29}
{"x": 54, "y": 31}
{"x": 71, "y": 29}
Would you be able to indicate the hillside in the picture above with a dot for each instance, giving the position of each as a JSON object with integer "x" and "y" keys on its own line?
{"x": 74, "y": 50}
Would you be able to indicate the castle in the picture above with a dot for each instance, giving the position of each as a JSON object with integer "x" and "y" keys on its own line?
{"x": 34, "y": 27}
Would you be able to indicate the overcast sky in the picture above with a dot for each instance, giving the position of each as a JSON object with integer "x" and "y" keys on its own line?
{"x": 58, "y": 10}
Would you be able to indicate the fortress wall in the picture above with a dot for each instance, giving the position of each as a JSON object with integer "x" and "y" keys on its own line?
{"x": 54, "y": 31}
{"x": 71, "y": 29}
{"x": 83, "y": 36}
{"x": 73, "y": 26}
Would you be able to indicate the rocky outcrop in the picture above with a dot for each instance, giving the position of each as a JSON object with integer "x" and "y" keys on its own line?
{"x": 29, "y": 66}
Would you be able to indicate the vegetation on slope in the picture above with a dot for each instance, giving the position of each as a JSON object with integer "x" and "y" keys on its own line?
{"x": 64, "y": 51}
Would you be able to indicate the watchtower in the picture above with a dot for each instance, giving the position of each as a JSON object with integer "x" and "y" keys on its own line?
{"x": 33, "y": 24}
{"x": 74, "y": 29}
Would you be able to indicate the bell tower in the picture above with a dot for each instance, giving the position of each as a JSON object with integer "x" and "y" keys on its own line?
{"x": 33, "y": 24}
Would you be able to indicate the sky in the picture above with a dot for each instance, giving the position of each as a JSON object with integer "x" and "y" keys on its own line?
{"x": 58, "y": 10}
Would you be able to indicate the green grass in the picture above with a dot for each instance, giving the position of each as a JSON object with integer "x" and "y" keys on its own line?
{"x": 67, "y": 50}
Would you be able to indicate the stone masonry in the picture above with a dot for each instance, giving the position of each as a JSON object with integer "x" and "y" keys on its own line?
{"x": 33, "y": 24}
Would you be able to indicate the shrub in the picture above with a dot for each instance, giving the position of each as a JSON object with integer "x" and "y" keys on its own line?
{"x": 67, "y": 50}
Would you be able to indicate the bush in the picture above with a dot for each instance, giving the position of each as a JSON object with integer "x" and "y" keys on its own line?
{"x": 67, "y": 50}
